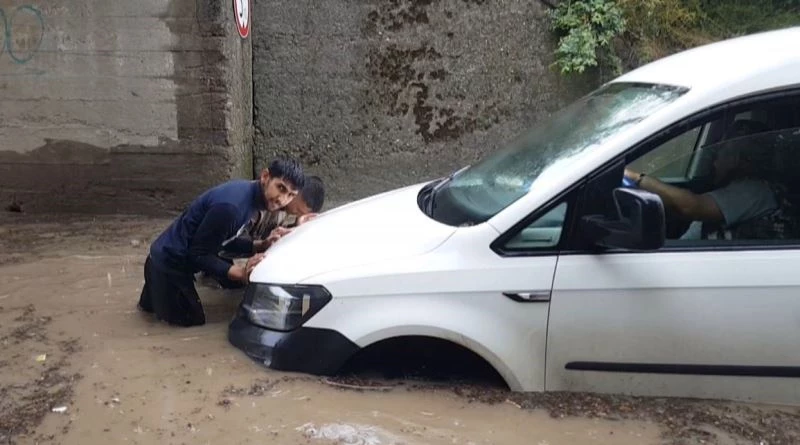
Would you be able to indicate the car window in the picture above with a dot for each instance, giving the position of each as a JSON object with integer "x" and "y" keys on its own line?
{"x": 477, "y": 193}
{"x": 749, "y": 173}
{"x": 543, "y": 233}
{"x": 672, "y": 159}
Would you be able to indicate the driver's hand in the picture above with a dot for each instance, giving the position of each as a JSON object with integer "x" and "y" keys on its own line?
{"x": 630, "y": 174}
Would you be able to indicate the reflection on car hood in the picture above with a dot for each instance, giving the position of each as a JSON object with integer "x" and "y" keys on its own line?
{"x": 379, "y": 228}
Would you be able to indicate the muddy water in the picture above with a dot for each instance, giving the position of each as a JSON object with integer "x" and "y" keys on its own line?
{"x": 144, "y": 382}
{"x": 71, "y": 339}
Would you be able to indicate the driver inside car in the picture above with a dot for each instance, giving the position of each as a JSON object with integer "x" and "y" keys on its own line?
{"x": 743, "y": 204}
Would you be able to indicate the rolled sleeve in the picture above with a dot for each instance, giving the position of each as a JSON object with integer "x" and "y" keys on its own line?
{"x": 744, "y": 200}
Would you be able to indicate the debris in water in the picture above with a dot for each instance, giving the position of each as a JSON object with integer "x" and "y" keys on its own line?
{"x": 41, "y": 357}
{"x": 136, "y": 243}
{"x": 59, "y": 409}
{"x": 426, "y": 413}
{"x": 511, "y": 402}
{"x": 357, "y": 387}
{"x": 108, "y": 276}
{"x": 351, "y": 434}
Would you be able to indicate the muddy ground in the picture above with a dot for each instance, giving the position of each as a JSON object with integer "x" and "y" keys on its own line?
{"x": 79, "y": 365}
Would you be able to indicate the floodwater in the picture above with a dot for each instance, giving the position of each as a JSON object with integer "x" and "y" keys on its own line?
{"x": 73, "y": 341}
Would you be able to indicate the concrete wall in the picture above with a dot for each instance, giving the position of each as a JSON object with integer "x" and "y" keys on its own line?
{"x": 120, "y": 105}
{"x": 376, "y": 94}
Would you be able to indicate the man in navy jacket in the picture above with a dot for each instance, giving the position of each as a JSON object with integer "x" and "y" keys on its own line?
{"x": 192, "y": 242}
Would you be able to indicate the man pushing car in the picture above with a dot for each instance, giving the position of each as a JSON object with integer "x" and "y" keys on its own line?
{"x": 192, "y": 242}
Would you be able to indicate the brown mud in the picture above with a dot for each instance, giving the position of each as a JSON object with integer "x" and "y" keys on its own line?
{"x": 80, "y": 365}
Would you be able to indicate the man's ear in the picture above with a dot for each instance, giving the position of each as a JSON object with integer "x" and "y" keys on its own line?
{"x": 264, "y": 175}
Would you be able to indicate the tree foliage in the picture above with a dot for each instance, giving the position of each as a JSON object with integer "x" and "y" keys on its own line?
{"x": 588, "y": 27}
{"x": 615, "y": 35}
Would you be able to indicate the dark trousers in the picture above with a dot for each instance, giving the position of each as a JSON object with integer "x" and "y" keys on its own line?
{"x": 171, "y": 296}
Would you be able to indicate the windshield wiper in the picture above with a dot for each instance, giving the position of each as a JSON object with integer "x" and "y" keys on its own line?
{"x": 439, "y": 185}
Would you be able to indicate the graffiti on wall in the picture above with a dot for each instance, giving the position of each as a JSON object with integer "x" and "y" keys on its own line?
{"x": 21, "y": 33}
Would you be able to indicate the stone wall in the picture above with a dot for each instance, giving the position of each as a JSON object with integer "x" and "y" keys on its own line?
{"x": 377, "y": 94}
{"x": 119, "y": 105}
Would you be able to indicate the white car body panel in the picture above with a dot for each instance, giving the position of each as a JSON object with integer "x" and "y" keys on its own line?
{"x": 454, "y": 293}
{"x": 746, "y": 63}
{"x": 687, "y": 308}
{"x": 393, "y": 271}
{"x": 389, "y": 226}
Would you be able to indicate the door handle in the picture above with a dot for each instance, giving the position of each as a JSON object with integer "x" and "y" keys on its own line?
{"x": 539, "y": 296}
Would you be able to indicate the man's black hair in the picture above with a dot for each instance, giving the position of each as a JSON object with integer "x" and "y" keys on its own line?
{"x": 313, "y": 193}
{"x": 289, "y": 170}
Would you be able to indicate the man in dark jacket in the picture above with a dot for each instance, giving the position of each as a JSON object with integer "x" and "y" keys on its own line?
{"x": 192, "y": 242}
{"x": 267, "y": 227}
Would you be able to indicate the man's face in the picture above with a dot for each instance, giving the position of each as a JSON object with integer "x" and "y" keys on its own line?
{"x": 277, "y": 192}
{"x": 298, "y": 207}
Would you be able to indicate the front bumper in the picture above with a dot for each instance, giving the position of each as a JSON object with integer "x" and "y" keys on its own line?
{"x": 307, "y": 350}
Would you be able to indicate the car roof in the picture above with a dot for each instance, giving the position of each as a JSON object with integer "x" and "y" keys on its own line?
{"x": 754, "y": 62}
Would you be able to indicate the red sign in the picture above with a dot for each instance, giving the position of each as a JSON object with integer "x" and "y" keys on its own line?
{"x": 241, "y": 12}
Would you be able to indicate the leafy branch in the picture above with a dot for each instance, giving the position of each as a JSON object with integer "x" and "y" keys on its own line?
{"x": 594, "y": 33}
{"x": 587, "y": 28}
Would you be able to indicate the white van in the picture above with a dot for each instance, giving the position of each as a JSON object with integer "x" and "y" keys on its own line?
{"x": 560, "y": 267}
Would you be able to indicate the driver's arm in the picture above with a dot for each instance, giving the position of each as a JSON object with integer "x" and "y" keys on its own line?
{"x": 689, "y": 205}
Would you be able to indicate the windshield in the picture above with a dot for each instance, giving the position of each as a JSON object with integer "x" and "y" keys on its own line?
{"x": 479, "y": 192}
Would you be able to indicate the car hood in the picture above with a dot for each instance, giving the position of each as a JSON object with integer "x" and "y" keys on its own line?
{"x": 382, "y": 227}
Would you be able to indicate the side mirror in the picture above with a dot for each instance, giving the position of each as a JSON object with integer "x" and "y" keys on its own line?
{"x": 638, "y": 225}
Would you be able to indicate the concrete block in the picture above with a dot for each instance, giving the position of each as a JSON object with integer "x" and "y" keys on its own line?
{"x": 115, "y": 101}
{"x": 273, "y": 17}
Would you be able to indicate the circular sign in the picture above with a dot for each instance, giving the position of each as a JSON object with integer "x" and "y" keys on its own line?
{"x": 241, "y": 11}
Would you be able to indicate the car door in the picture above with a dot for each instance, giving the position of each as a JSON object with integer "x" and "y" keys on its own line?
{"x": 523, "y": 274}
{"x": 707, "y": 318}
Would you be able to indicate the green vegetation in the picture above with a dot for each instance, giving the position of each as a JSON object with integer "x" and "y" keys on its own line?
{"x": 589, "y": 28}
{"x": 612, "y": 36}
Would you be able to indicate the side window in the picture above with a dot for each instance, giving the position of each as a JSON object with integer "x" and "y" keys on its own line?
{"x": 740, "y": 170}
{"x": 672, "y": 159}
{"x": 543, "y": 233}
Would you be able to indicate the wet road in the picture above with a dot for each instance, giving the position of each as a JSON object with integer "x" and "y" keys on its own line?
{"x": 145, "y": 382}
{"x": 72, "y": 339}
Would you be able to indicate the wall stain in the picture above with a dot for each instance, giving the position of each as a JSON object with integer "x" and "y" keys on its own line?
{"x": 399, "y": 14}
{"x": 82, "y": 177}
{"x": 412, "y": 79}
{"x": 395, "y": 66}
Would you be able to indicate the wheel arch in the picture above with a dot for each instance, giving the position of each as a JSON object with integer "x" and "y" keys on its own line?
{"x": 438, "y": 333}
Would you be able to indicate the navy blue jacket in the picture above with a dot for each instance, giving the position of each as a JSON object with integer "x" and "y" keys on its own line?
{"x": 192, "y": 242}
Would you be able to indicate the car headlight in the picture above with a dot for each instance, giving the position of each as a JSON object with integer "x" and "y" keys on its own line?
{"x": 282, "y": 307}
